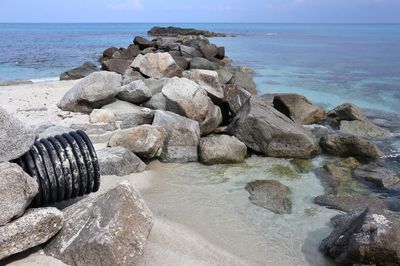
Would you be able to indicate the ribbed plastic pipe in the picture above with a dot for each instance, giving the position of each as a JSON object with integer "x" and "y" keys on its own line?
{"x": 65, "y": 167}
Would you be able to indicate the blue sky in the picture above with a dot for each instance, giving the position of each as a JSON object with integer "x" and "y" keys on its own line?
{"x": 305, "y": 11}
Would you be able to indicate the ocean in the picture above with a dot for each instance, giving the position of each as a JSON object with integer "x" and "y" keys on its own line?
{"x": 329, "y": 63}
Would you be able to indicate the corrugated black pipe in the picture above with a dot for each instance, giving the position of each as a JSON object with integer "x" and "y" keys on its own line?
{"x": 65, "y": 167}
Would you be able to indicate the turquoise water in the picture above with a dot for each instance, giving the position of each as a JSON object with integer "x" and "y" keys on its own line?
{"x": 328, "y": 63}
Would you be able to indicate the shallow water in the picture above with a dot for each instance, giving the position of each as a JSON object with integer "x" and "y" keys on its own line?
{"x": 212, "y": 201}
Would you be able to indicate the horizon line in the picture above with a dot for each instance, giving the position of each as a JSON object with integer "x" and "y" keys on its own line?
{"x": 355, "y": 23}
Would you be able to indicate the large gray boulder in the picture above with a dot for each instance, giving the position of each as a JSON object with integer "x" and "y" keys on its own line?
{"x": 378, "y": 175}
{"x": 110, "y": 229}
{"x": 135, "y": 92}
{"x": 271, "y": 195}
{"x": 36, "y": 227}
{"x": 207, "y": 80}
{"x": 219, "y": 149}
{"x": 268, "y": 131}
{"x": 17, "y": 189}
{"x": 298, "y": 108}
{"x": 202, "y": 63}
{"x": 145, "y": 140}
{"x": 157, "y": 65}
{"x": 365, "y": 129}
{"x": 131, "y": 75}
{"x": 244, "y": 79}
{"x": 186, "y": 98}
{"x": 123, "y": 110}
{"x": 119, "y": 161}
{"x": 116, "y": 65}
{"x": 368, "y": 238}
{"x": 79, "y": 72}
{"x": 347, "y": 111}
{"x": 346, "y": 146}
{"x": 235, "y": 96}
{"x": 15, "y": 137}
{"x": 182, "y": 138}
{"x": 91, "y": 92}
{"x": 157, "y": 102}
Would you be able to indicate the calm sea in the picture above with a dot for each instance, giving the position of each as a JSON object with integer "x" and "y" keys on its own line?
{"x": 330, "y": 64}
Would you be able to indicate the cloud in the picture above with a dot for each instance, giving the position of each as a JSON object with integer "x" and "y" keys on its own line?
{"x": 135, "y": 5}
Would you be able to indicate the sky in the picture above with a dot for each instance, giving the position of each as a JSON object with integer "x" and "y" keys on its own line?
{"x": 270, "y": 11}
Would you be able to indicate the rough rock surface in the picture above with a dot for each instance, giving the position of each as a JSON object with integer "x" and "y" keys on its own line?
{"x": 176, "y": 31}
{"x": 157, "y": 65}
{"x": 110, "y": 229}
{"x": 298, "y": 108}
{"x": 17, "y": 189}
{"x": 347, "y": 111}
{"x": 116, "y": 65}
{"x": 202, "y": 63}
{"x": 144, "y": 140}
{"x": 271, "y": 195}
{"x": 131, "y": 75}
{"x": 380, "y": 176}
{"x": 79, "y": 72}
{"x": 244, "y": 80}
{"x": 369, "y": 238}
{"x": 182, "y": 138}
{"x": 186, "y": 98}
{"x": 235, "y": 96}
{"x": 15, "y": 138}
{"x": 143, "y": 43}
{"x": 363, "y": 129}
{"x": 346, "y": 146}
{"x": 102, "y": 116}
{"x": 268, "y": 131}
{"x": 124, "y": 110}
{"x": 157, "y": 102}
{"x": 207, "y": 80}
{"x": 34, "y": 228}
{"x": 91, "y": 92}
{"x": 119, "y": 161}
{"x": 218, "y": 149}
{"x": 135, "y": 92}
{"x": 350, "y": 202}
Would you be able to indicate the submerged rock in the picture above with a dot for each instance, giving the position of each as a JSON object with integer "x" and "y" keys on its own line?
{"x": 350, "y": 202}
{"x": 34, "y": 228}
{"x": 17, "y": 189}
{"x": 119, "y": 161}
{"x": 15, "y": 137}
{"x": 380, "y": 176}
{"x": 144, "y": 140}
{"x": 363, "y": 129}
{"x": 182, "y": 139}
{"x": 346, "y": 146}
{"x": 94, "y": 91}
{"x": 271, "y": 195}
{"x": 369, "y": 238}
{"x": 219, "y": 149}
{"x": 347, "y": 111}
{"x": 268, "y": 131}
{"x": 79, "y": 72}
{"x": 157, "y": 65}
{"x": 298, "y": 108}
{"x": 110, "y": 229}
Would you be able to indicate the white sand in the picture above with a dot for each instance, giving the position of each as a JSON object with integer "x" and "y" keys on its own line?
{"x": 169, "y": 243}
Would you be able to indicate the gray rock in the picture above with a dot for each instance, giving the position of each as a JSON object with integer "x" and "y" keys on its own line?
{"x": 271, "y": 195}
{"x": 337, "y": 178}
{"x": 177, "y": 31}
{"x": 347, "y": 111}
{"x": 119, "y": 161}
{"x": 209, "y": 51}
{"x": 131, "y": 75}
{"x": 350, "y": 202}
{"x": 244, "y": 80}
{"x": 363, "y": 129}
{"x": 157, "y": 65}
{"x": 108, "y": 53}
{"x": 53, "y": 131}
{"x": 17, "y": 189}
{"x": 224, "y": 75}
{"x": 155, "y": 85}
{"x": 135, "y": 92}
{"x": 202, "y": 63}
{"x": 369, "y": 238}
{"x": 380, "y": 176}
{"x": 130, "y": 53}
{"x": 94, "y": 128}
{"x": 207, "y": 80}
{"x": 346, "y": 146}
{"x": 298, "y": 108}
{"x": 180, "y": 60}
{"x": 157, "y": 102}
{"x": 80, "y": 72}
{"x": 186, "y": 98}
{"x": 219, "y": 149}
{"x": 143, "y": 43}
{"x": 144, "y": 140}
{"x": 189, "y": 52}
{"x": 182, "y": 139}
{"x": 124, "y": 110}
{"x": 235, "y": 96}
{"x": 91, "y": 92}
{"x": 36, "y": 227}
{"x": 102, "y": 116}
{"x": 116, "y": 65}
{"x": 268, "y": 131}
{"x": 15, "y": 137}
{"x": 220, "y": 53}
{"x": 110, "y": 229}
{"x": 145, "y": 117}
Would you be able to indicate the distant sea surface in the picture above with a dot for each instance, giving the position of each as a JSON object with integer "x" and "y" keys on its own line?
{"x": 328, "y": 63}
